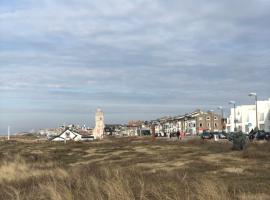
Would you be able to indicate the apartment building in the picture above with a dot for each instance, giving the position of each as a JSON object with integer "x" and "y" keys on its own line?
{"x": 245, "y": 117}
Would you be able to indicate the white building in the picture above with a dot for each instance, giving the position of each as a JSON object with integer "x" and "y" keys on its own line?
{"x": 246, "y": 117}
{"x": 68, "y": 135}
{"x": 190, "y": 125}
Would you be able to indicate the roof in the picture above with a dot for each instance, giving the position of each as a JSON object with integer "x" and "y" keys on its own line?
{"x": 52, "y": 138}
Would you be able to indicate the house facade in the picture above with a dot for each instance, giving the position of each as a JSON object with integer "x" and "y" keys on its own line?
{"x": 245, "y": 116}
{"x": 191, "y": 123}
{"x": 67, "y": 135}
{"x": 209, "y": 121}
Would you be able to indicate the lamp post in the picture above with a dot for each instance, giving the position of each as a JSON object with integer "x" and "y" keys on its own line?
{"x": 212, "y": 120}
{"x": 234, "y": 116}
{"x": 222, "y": 122}
{"x": 252, "y": 94}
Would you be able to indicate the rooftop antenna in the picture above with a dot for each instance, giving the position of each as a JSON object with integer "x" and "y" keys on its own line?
{"x": 8, "y": 132}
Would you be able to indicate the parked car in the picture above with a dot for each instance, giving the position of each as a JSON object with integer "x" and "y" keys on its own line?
{"x": 267, "y": 136}
{"x": 222, "y": 135}
{"x": 207, "y": 135}
{"x": 259, "y": 135}
{"x": 230, "y": 136}
{"x": 174, "y": 134}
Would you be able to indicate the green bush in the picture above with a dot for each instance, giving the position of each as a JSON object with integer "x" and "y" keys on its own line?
{"x": 239, "y": 141}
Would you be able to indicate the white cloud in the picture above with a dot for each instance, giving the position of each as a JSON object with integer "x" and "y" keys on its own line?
{"x": 142, "y": 52}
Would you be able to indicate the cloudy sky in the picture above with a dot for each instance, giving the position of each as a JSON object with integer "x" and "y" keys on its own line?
{"x": 139, "y": 59}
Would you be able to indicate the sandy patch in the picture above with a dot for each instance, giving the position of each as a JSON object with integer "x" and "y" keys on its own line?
{"x": 164, "y": 165}
{"x": 236, "y": 170}
{"x": 99, "y": 157}
{"x": 249, "y": 196}
{"x": 144, "y": 150}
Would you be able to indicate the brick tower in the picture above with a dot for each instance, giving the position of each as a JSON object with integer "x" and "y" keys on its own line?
{"x": 99, "y": 127}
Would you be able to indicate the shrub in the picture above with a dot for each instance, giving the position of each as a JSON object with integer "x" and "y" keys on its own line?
{"x": 239, "y": 141}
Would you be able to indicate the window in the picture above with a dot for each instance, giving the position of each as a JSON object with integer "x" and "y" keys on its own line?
{"x": 208, "y": 118}
{"x": 261, "y": 126}
{"x": 200, "y": 124}
{"x": 208, "y": 124}
{"x": 215, "y": 118}
{"x": 67, "y": 134}
{"x": 215, "y": 125}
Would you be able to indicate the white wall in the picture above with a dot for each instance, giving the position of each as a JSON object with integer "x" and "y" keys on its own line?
{"x": 246, "y": 117}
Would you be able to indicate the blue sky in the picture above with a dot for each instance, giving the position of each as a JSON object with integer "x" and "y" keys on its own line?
{"x": 141, "y": 59}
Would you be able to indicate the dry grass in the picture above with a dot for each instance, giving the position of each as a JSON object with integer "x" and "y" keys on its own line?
{"x": 132, "y": 168}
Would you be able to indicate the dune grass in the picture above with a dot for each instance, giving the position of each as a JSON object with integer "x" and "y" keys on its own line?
{"x": 133, "y": 168}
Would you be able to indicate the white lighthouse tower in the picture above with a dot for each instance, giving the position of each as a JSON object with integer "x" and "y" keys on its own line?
{"x": 99, "y": 127}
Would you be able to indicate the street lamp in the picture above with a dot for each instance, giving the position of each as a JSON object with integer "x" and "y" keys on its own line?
{"x": 252, "y": 94}
{"x": 233, "y": 103}
{"x": 212, "y": 119}
{"x": 222, "y": 122}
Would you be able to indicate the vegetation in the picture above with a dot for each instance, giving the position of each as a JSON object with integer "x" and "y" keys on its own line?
{"x": 240, "y": 141}
{"x": 133, "y": 168}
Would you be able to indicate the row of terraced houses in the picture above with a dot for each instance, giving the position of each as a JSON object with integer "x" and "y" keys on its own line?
{"x": 198, "y": 121}
{"x": 191, "y": 123}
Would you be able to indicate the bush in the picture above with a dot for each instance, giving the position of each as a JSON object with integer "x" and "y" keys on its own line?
{"x": 239, "y": 141}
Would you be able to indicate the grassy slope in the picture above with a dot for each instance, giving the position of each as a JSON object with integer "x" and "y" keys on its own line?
{"x": 133, "y": 168}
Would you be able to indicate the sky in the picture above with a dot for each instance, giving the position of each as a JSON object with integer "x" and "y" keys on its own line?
{"x": 142, "y": 59}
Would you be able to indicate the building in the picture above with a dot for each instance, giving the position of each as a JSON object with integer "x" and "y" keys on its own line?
{"x": 209, "y": 121}
{"x": 164, "y": 126}
{"x": 98, "y": 131}
{"x": 138, "y": 128}
{"x": 68, "y": 135}
{"x": 191, "y": 123}
{"x": 245, "y": 116}
{"x": 50, "y": 132}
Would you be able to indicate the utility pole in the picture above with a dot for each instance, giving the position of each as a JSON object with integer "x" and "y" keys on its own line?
{"x": 222, "y": 118}
{"x": 211, "y": 113}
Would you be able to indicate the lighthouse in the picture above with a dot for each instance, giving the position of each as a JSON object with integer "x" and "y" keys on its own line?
{"x": 99, "y": 127}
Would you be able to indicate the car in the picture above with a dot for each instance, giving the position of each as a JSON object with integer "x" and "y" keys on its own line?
{"x": 173, "y": 134}
{"x": 222, "y": 135}
{"x": 267, "y": 136}
{"x": 207, "y": 135}
{"x": 259, "y": 135}
{"x": 230, "y": 136}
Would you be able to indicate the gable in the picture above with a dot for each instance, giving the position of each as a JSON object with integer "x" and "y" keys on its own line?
{"x": 67, "y": 134}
